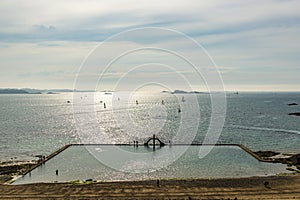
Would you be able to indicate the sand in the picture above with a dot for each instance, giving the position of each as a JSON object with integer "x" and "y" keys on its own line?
{"x": 279, "y": 187}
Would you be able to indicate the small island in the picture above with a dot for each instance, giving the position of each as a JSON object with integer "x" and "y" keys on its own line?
{"x": 13, "y": 91}
{"x": 182, "y": 92}
{"x": 295, "y": 114}
{"x": 292, "y": 104}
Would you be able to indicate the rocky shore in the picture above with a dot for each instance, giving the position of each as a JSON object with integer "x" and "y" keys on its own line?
{"x": 8, "y": 170}
{"x": 276, "y": 157}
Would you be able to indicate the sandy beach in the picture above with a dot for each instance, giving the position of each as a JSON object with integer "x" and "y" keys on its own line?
{"x": 278, "y": 187}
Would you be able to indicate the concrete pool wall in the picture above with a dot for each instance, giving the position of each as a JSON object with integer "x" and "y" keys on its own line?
{"x": 244, "y": 165}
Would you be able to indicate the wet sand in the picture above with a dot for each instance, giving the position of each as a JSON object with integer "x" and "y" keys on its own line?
{"x": 278, "y": 187}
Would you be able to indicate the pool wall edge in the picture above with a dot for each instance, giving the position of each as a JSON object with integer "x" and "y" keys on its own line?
{"x": 42, "y": 161}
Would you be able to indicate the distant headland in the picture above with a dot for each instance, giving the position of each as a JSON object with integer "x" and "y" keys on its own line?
{"x": 13, "y": 91}
{"x": 37, "y": 91}
{"x": 183, "y": 92}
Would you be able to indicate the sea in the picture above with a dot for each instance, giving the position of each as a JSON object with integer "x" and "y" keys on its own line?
{"x": 39, "y": 124}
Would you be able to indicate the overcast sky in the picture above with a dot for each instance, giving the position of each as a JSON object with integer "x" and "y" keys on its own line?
{"x": 255, "y": 44}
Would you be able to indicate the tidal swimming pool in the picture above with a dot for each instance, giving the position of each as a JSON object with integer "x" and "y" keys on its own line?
{"x": 123, "y": 163}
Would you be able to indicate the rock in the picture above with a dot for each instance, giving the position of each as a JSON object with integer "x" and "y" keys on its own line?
{"x": 293, "y": 160}
{"x": 290, "y": 169}
{"x": 292, "y": 104}
{"x": 295, "y": 113}
{"x": 266, "y": 154}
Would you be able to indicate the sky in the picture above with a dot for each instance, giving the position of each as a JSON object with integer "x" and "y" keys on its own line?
{"x": 252, "y": 45}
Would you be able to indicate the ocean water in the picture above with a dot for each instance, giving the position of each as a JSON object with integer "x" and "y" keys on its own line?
{"x": 42, "y": 123}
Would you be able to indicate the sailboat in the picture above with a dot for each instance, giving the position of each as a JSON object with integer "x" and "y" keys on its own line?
{"x": 183, "y": 100}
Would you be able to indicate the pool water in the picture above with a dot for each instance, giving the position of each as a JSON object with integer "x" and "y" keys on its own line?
{"x": 122, "y": 163}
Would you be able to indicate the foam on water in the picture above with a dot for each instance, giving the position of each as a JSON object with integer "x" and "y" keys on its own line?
{"x": 265, "y": 129}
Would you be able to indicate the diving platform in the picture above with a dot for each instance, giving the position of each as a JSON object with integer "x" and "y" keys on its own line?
{"x": 154, "y": 139}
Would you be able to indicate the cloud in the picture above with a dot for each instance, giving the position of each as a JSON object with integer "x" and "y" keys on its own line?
{"x": 42, "y": 74}
{"x": 247, "y": 38}
{"x": 44, "y": 28}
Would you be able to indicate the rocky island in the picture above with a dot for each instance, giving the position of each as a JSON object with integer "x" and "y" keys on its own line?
{"x": 295, "y": 114}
